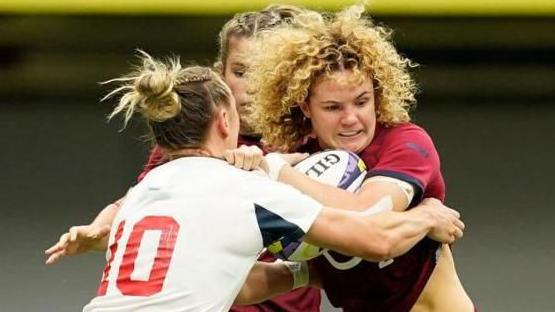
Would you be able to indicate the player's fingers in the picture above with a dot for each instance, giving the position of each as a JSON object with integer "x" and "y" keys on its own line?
{"x": 459, "y": 224}
{"x": 229, "y": 157}
{"x": 458, "y": 233}
{"x": 447, "y": 212}
{"x": 248, "y": 161}
{"x": 255, "y": 150}
{"x": 63, "y": 239}
{"x": 73, "y": 233}
{"x": 257, "y": 156}
{"x": 454, "y": 212}
{"x": 51, "y": 259}
{"x": 239, "y": 158}
{"x": 54, "y": 257}
{"x": 257, "y": 162}
{"x": 56, "y": 247}
{"x": 243, "y": 147}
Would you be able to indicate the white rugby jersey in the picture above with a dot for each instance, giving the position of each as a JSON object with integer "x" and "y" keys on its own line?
{"x": 187, "y": 236}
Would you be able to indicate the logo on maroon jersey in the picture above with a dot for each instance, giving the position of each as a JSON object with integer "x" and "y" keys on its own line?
{"x": 419, "y": 149}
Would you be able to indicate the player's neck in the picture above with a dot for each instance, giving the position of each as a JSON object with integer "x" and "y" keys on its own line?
{"x": 190, "y": 152}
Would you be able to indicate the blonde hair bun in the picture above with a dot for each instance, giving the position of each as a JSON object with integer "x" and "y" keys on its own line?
{"x": 158, "y": 101}
{"x": 149, "y": 90}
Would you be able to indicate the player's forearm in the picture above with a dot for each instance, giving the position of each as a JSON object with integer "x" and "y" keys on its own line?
{"x": 106, "y": 218}
{"x": 375, "y": 237}
{"x": 265, "y": 280}
{"x": 402, "y": 230}
{"x": 107, "y": 215}
{"x": 326, "y": 194}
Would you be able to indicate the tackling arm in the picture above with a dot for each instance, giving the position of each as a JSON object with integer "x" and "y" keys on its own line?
{"x": 371, "y": 192}
{"x": 267, "y": 280}
{"x": 84, "y": 238}
{"x": 107, "y": 215}
{"x": 383, "y": 236}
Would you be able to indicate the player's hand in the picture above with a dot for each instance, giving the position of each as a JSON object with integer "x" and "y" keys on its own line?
{"x": 245, "y": 157}
{"x": 448, "y": 226}
{"x": 77, "y": 240}
{"x": 273, "y": 162}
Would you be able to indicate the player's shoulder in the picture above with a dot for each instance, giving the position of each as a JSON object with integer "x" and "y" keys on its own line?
{"x": 402, "y": 129}
{"x": 403, "y": 133}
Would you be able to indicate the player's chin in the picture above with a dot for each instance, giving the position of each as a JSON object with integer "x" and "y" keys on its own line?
{"x": 352, "y": 145}
{"x": 246, "y": 128}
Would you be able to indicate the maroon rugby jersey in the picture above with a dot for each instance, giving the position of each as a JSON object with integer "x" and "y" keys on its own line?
{"x": 405, "y": 152}
{"x": 299, "y": 300}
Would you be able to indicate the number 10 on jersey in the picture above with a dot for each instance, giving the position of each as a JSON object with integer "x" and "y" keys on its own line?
{"x": 168, "y": 228}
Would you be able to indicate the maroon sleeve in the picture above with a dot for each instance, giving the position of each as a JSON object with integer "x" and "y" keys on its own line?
{"x": 155, "y": 159}
{"x": 408, "y": 153}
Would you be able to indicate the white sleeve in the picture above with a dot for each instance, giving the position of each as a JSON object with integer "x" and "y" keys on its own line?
{"x": 281, "y": 210}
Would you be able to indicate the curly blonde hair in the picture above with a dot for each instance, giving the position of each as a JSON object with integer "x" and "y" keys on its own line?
{"x": 288, "y": 59}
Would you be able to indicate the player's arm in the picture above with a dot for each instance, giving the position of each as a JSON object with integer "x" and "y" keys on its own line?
{"x": 374, "y": 237}
{"x": 383, "y": 236}
{"x": 94, "y": 236}
{"x": 399, "y": 192}
{"x": 408, "y": 168}
{"x": 84, "y": 238}
{"x": 269, "y": 279}
{"x": 107, "y": 215}
{"x": 279, "y": 168}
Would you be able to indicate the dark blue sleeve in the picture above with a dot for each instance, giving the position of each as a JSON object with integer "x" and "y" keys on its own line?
{"x": 273, "y": 227}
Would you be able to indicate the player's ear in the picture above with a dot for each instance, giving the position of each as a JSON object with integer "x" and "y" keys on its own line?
{"x": 222, "y": 122}
{"x": 305, "y": 108}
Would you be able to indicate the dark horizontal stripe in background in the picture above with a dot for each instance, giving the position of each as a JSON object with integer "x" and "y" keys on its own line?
{"x": 472, "y": 58}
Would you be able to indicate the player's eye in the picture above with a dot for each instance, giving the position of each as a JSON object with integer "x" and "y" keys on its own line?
{"x": 331, "y": 108}
{"x": 238, "y": 70}
{"x": 363, "y": 102}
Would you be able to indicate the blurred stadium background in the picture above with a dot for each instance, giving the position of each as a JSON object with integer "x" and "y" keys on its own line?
{"x": 487, "y": 77}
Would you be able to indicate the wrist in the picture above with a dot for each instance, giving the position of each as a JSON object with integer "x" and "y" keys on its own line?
{"x": 426, "y": 217}
{"x": 275, "y": 163}
{"x": 101, "y": 245}
{"x": 300, "y": 273}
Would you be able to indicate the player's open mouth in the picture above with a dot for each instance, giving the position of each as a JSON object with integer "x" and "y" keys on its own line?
{"x": 350, "y": 134}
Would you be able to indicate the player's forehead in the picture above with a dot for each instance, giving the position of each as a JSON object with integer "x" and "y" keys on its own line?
{"x": 341, "y": 83}
{"x": 238, "y": 50}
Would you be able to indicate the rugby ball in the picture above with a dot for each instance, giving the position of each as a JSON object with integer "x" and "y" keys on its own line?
{"x": 339, "y": 168}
